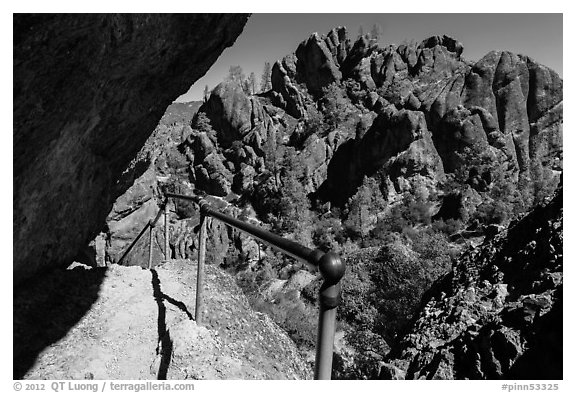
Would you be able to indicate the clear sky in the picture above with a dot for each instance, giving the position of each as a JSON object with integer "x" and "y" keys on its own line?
{"x": 269, "y": 37}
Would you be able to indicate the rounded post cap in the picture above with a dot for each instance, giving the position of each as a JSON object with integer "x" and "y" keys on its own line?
{"x": 331, "y": 267}
{"x": 315, "y": 257}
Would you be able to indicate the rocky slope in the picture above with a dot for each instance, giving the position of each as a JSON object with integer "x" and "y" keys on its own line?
{"x": 88, "y": 91}
{"x": 141, "y": 326}
{"x": 498, "y": 315}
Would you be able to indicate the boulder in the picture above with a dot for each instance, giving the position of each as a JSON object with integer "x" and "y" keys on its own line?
{"x": 357, "y": 64}
{"x": 130, "y": 214}
{"x": 213, "y": 176}
{"x": 244, "y": 180}
{"x": 229, "y": 111}
{"x": 448, "y": 42}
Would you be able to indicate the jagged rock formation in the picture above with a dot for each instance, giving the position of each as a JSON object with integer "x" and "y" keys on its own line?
{"x": 88, "y": 91}
{"x": 498, "y": 315}
{"x": 408, "y": 115}
{"x": 141, "y": 327}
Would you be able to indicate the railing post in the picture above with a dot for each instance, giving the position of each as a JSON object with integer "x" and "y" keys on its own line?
{"x": 201, "y": 258}
{"x": 332, "y": 270}
{"x": 150, "y": 248}
{"x": 166, "y": 233}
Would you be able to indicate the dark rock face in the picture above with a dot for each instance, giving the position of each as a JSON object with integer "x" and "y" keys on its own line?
{"x": 498, "y": 315}
{"x": 398, "y": 143}
{"x": 88, "y": 91}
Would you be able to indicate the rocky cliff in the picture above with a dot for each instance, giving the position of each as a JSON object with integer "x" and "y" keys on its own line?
{"x": 498, "y": 314}
{"x": 407, "y": 115}
{"x": 88, "y": 91}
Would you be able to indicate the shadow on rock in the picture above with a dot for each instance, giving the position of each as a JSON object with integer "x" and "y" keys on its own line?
{"x": 164, "y": 341}
{"x": 46, "y": 308}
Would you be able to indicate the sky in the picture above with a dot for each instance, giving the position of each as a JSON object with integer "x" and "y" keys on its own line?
{"x": 270, "y": 37}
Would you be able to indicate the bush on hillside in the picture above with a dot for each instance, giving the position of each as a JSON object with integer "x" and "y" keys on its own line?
{"x": 402, "y": 274}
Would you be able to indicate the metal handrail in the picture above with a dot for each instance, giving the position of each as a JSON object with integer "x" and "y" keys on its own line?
{"x": 133, "y": 243}
{"x": 287, "y": 246}
{"x": 155, "y": 220}
{"x": 150, "y": 224}
{"x": 329, "y": 264}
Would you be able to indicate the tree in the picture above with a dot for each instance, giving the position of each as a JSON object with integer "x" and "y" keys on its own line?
{"x": 252, "y": 83}
{"x": 363, "y": 208}
{"x": 202, "y": 124}
{"x": 336, "y": 107}
{"x": 401, "y": 274}
{"x": 266, "y": 79}
{"x": 206, "y": 93}
{"x": 375, "y": 32}
{"x": 294, "y": 215}
{"x": 273, "y": 155}
{"x": 236, "y": 74}
{"x": 313, "y": 124}
{"x": 246, "y": 87}
{"x": 295, "y": 209}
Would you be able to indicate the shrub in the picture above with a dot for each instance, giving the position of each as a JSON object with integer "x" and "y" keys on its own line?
{"x": 370, "y": 349}
{"x": 176, "y": 160}
{"x": 448, "y": 227}
{"x": 362, "y": 209}
{"x": 314, "y": 124}
{"x": 495, "y": 212}
{"x": 327, "y": 234}
{"x": 357, "y": 287}
{"x": 383, "y": 291}
{"x": 335, "y": 106}
{"x": 402, "y": 274}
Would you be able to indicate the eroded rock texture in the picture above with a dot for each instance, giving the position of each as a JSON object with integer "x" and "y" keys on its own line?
{"x": 498, "y": 315}
{"x": 408, "y": 115}
{"x": 88, "y": 91}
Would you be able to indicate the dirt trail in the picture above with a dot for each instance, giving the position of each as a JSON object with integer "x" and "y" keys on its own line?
{"x": 140, "y": 325}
